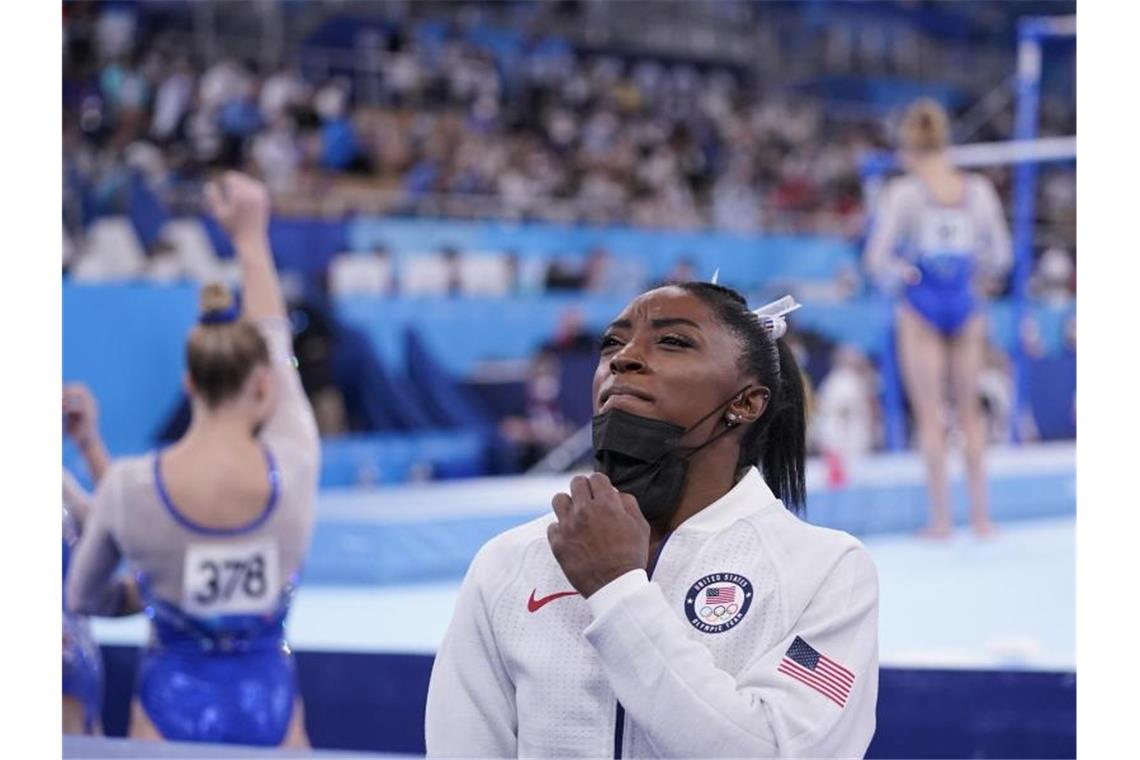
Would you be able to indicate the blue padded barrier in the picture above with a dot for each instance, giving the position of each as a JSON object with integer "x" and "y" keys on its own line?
{"x": 375, "y": 702}
{"x": 397, "y": 457}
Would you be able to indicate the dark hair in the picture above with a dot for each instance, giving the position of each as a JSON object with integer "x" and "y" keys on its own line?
{"x": 221, "y": 355}
{"x": 776, "y": 441}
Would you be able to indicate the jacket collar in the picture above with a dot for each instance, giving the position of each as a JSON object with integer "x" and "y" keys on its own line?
{"x": 749, "y": 496}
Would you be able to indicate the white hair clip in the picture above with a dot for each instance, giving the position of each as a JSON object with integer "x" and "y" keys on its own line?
{"x": 772, "y": 315}
{"x": 716, "y": 276}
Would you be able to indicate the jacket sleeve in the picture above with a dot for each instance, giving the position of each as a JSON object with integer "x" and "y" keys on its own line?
{"x": 91, "y": 586}
{"x": 671, "y": 687}
{"x": 471, "y": 697}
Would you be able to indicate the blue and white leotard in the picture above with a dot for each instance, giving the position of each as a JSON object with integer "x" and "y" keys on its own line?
{"x": 946, "y": 244}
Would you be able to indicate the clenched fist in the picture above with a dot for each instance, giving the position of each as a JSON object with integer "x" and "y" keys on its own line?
{"x": 240, "y": 204}
{"x": 600, "y": 534}
{"x": 80, "y": 414}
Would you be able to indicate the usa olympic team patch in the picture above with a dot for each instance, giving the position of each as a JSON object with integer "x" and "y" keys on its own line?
{"x": 717, "y": 602}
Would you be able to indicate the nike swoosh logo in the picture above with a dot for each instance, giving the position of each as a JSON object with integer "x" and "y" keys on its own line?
{"x": 534, "y": 605}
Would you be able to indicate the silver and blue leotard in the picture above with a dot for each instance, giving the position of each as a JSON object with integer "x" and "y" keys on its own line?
{"x": 217, "y": 667}
{"x": 946, "y": 244}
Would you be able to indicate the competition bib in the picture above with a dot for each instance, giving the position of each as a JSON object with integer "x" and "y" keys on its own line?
{"x": 230, "y": 578}
{"x": 946, "y": 231}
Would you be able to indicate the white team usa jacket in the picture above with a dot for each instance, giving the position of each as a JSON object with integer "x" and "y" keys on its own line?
{"x": 757, "y": 636}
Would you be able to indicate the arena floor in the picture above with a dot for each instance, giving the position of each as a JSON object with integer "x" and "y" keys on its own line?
{"x": 1004, "y": 602}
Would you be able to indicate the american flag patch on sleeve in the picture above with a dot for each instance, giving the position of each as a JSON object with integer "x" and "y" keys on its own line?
{"x": 818, "y": 671}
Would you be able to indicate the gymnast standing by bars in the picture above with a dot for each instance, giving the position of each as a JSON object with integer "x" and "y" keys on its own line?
{"x": 938, "y": 234}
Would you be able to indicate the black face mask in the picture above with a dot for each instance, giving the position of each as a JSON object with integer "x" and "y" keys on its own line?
{"x": 643, "y": 457}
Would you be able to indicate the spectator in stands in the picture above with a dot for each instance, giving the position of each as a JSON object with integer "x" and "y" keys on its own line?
{"x": 684, "y": 270}
{"x": 222, "y": 82}
{"x": 282, "y": 91}
{"x": 172, "y": 101}
{"x": 514, "y": 273}
{"x": 277, "y": 154}
{"x": 163, "y": 263}
{"x": 995, "y": 389}
{"x": 843, "y": 419}
{"x": 735, "y": 203}
{"x": 606, "y": 274}
{"x": 562, "y": 274}
{"x": 570, "y": 334}
{"x": 1029, "y": 333}
{"x": 453, "y": 277}
{"x": 340, "y": 146}
{"x": 314, "y": 345}
{"x": 239, "y": 120}
{"x": 1054, "y": 278}
{"x": 544, "y": 426}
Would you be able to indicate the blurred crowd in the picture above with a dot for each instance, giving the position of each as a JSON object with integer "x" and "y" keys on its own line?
{"x": 581, "y": 138}
{"x": 442, "y": 127}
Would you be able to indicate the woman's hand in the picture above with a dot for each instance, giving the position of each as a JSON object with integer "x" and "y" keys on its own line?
{"x": 80, "y": 415}
{"x": 600, "y": 534}
{"x": 81, "y": 424}
{"x": 240, "y": 204}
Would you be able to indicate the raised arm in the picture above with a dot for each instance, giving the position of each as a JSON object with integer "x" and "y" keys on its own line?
{"x": 81, "y": 424}
{"x": 92, "y": 586}
{"x": 241, "y": 205}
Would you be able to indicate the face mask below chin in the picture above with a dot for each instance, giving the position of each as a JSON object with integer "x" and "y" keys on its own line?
{"x": 643, "y": 457}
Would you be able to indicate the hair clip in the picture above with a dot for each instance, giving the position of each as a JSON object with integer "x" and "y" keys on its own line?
{"x": 219, "y": 316}
{"x": 772, "y": 315}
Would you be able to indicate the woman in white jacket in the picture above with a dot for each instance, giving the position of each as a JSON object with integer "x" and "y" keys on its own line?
{"x": 672, "y": 605}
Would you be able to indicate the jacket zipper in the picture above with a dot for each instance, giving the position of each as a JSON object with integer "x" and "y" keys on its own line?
{"x": 619, "y": 725}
